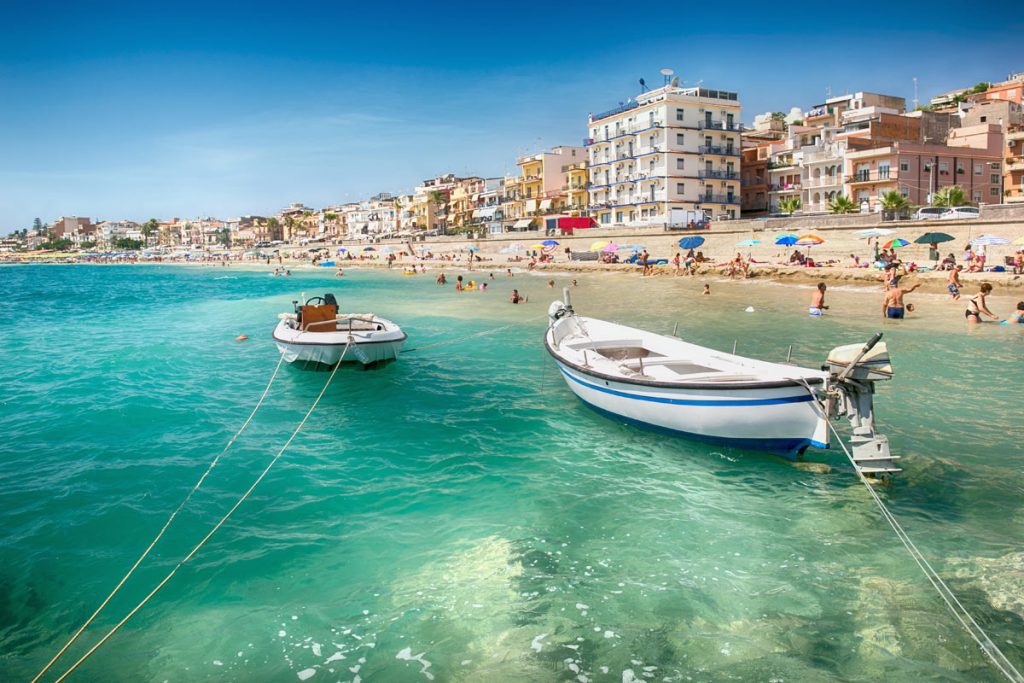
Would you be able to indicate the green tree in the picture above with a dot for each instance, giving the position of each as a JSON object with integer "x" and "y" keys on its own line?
{"x": 37, "y": 225}
{"x": 88, "y": 245}
{"x": 224, "y": 237}
{"x": 62, "y": 244}
{"x": 127, "y": 243}
{"x": 790, "y": 205}
{"x": 778, "y": 116}
{"x": 949, "y": 196}
{"x": 894, "y": 201}
{"x": 980, "y": 87}
{"x": 148, "y": 228}
{"x": 273, "y": 228}
{"x": 842, "y": 204}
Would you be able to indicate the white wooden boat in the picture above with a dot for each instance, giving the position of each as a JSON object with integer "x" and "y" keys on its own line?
{"x": 665, "y": 383}
{"x": 316, "y": 333}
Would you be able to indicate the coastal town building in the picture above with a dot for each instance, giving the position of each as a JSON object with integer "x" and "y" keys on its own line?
{"x": 665, "y": 152}
{"x": 487, "y": 200}
{"x": 430, "y": 203}
{"x": 543, "y": 185}
{"x": 754, "y": 181}
{"x": 78, "y": 229}
{"x": 1013, "y": 176}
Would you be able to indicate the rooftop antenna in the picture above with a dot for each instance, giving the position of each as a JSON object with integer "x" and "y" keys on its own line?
{"x": 643, "y": 85}
{"x": 667, "y": 73}
{"x": 915, "y": 93}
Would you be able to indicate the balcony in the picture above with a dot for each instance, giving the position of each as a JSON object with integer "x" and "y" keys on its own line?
{"x": 1015, "y": 163}
{"x": 1015, "y": 134}
{"x": 719, "y": 150}
{"x": 718, "y": 174}
{"x": 719, "y": 125}
{"x": 617, "y": 110}
{"x": 784, "y": 187}
{"x": 881, "y": 175}
{"x": 823, "y": 181}
{"x": 719, "y": 199}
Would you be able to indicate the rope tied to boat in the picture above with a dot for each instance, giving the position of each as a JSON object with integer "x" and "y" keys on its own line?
{"x": 967, "y": 621}
{"x": 159, "y": 535}
{"x": 483, "y": 333}
{"x": 206, "y": 538}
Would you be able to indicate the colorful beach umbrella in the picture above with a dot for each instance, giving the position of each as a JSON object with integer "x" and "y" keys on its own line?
{"x": 610, "y": 247}
{"x": 989, "y": 240}
{"x": 599, "y": 245}
{"x": 536, "y": 246}
{"x": 933, "y": 238}
{"x": 895, "y": 243}
{"x": 748, "y": 243}
{"x": 550, "y": 243}
{"x": 691, "y": 242}
{"x": 786, "y": 240}
{"x": 809, "y": 240}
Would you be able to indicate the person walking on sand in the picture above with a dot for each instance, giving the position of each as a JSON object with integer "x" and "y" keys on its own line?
{"x": 644, "y": 257}
{"x": 893, "y": 307}
{"x": 953, "y": 283}
{"x": 675, "y": 262}
{"x": 976, "y": 305}
{"x": 818, "y": 301}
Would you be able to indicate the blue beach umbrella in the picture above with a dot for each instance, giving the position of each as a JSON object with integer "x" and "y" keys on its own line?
{"x": 550, "y": 243}
{"x": 472, "y": 248}
{"x": 691, "y": 242}
{"x": 748, "y": 243}
{"x": 787, "y": 240}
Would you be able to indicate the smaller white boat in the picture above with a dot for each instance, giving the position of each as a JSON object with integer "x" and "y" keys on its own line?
{"x": 316, "y": 333}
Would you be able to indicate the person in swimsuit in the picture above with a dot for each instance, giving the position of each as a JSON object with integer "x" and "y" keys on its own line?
{"x": 976, "y": 305}
{"x": 517, "y": 298}
{"x": 1017, "y": 317}
{"x": 818, "y": 301}
{"x": 954, "y": 284}
{"x": 892, "y": 305}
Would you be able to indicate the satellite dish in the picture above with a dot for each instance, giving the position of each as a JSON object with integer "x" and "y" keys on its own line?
{"x": 667, "y": 72}
{"x": 675, "y": 82}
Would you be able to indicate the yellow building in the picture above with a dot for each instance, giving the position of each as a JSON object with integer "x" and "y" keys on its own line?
{"x": 577, "y": 181}
{"x": 461, "y": 203}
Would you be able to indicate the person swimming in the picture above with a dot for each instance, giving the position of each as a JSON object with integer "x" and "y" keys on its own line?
{"x": 1017, "y": 317}
{"x": 517, "y": 298}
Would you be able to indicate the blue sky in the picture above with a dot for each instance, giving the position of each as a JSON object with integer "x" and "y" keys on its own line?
{"x": 138, "y": 110}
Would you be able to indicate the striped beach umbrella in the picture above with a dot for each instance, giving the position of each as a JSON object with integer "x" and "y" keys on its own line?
{"x": 989, "y": 240}
{"x": 809, "y": 240}
{"x": 895, "y": 243}
{"x": 873, "y": 232}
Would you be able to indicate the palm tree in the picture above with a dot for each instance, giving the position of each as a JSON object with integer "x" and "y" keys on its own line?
{"x": 949, "y": 196}
{"x": 148, "y": 228}
{"x": 790, "y": 205}
{"x": 842, "y": 204}
{"x": 894, "y": 201}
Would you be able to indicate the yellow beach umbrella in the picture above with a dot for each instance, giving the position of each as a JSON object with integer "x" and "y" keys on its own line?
{"x": 598, "y": 246}
{"x": 1019, "y": 241}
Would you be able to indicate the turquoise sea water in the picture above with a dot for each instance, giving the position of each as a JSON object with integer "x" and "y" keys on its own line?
{"x": 459, "y": 515}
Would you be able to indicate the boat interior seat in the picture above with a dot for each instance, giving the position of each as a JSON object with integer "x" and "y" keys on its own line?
{"x": 311, "y": 315}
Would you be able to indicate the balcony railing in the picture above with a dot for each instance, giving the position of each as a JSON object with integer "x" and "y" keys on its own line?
{"x": 720, "y": 174}
{"x": 719, "y": 125}
{"x": 871, "y": 176}
{"x": 719, "y": 150}
{"x": 784, "y": 187}
{"x": 719, "y": 199}
{"x": 823, "y": 181}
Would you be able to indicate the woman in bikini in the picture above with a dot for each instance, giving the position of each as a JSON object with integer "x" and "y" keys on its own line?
{"x": 976, "y": 305}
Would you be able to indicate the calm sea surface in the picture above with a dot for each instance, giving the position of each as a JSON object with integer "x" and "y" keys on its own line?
{"x": 459, "y": 515}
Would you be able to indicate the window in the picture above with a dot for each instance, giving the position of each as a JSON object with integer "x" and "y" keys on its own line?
{"x": 680, "y": 188}
{"x": 904, "y": 166}
{"x": 984, "y": 119}
{"x": 959, "y": 168}
{"x": 994, "y": 191}
{"x": 904, "y": 192}
{"x": 995, "y": 165}
{"x": 995, "y": 178}
{"x": 606, "y": 218}
{"x": 680, "y": 164}
{"x": 680, "y": 114}
{"x": 927, "y": 167}
{"x": 979, "y": 169}
{"x": 680, "y": 139}
{"x": 943, "y": 167}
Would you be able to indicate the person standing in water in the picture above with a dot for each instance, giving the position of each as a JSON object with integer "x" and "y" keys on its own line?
{"x": 818, "y": 301}
{"x": 893, "y": 307}
{"x": 976, "y": 305}
{"x": 953, "y": 282}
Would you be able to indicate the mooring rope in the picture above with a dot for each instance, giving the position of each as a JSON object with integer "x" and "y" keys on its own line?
{"x": 212, "y": 531}
{"x": 957, "y": 608}
{"x": 160, "y": 534}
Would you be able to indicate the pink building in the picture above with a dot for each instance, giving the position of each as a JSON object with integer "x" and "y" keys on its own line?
{"x": 972, "y": 160}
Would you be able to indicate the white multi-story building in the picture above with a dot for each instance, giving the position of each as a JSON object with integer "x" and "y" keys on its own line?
{"x": 671, "y": 148}
{"x": 822, "y": 171}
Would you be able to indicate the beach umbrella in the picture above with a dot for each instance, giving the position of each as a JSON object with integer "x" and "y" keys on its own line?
{"x": 809, "y": 240}
{"x": 550, "y": 243}
{"x": 342, "y": 250}
{"x": 510, "y": 249}
{"x": 472, "y": 247}
{"x": 1019, "y": 240}
{"x": 989, "y": 240}
{"x": 632, "y": 247}
{"x": 786, "y": 240}
{"x": 598, "y": 246}
{"x": 873, "y": 232}
{"x": 895, "y": 243}
{"x": 369, "y": 249}
{"x": 610, "y": 247}
{"x": 933, "y": 238}
{"x": 386, "y": 250}
{"x": 748, "y": 243}
{"x": 536, "y": 246}
{"x": 691, "y": 242}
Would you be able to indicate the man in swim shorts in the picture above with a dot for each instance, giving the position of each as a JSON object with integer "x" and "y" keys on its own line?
{"x": 954, "y": 282}
{"x": 893, "y": 307}
{"x": 818, "y": 301}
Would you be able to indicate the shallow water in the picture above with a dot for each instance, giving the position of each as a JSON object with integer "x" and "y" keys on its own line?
{"x": 460, "y": 515}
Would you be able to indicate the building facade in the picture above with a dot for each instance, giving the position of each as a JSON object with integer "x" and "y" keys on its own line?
{"x": 669, "y": 149}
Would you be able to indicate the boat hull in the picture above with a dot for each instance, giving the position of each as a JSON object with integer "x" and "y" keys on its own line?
{"x": 784, "y": 420}
{"x": 327, "y": 348}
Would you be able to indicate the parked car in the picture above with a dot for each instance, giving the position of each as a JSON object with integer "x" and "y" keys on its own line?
{"x": 961, "y": 212}
{"x": 261, "y": 245}
{"x": 926, "y": 213}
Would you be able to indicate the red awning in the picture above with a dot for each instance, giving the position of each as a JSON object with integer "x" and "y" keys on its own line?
{"x": 575, "y": 223}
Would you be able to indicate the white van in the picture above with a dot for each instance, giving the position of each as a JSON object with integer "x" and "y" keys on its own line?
{"x": 929, "y": 213}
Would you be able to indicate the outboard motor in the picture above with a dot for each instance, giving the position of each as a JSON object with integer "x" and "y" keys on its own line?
{"x": 853, "y": 371}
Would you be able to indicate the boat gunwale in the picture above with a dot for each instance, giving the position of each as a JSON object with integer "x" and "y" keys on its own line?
{"x": 681, "y": 384}
{"x": 367, "y": 342}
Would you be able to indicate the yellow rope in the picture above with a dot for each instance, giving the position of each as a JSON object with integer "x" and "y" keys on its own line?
{"x": 160, "y": 534}
{"x": 219, "y": 524}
